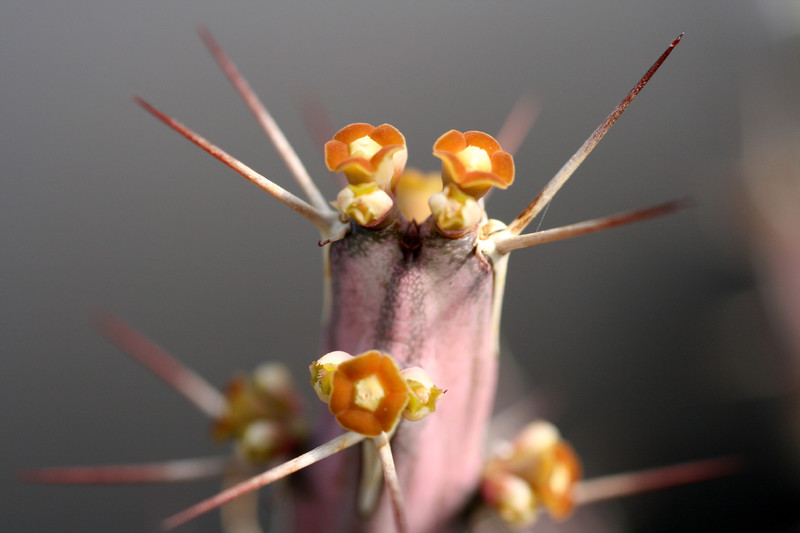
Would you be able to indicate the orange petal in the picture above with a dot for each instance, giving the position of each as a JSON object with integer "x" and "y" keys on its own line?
{"x": 452, "y": 167}
{"x": 482, "y": 140}
{"x": 352, "y": 132}
{"x": 362, "y": 422}
{"x": 335, "y": 153}
{"x": 452, "y": 141}
{"x": 341, "y": 393}
{"x": 503, "y": 166}
{"x": 477, "y": 182}
{"x": 386, "y": 135}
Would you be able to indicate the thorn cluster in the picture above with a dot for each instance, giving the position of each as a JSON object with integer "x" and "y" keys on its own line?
{"x": 373, "y": 161}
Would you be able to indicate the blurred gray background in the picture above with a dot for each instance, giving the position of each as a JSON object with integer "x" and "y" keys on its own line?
{"x": 647, "y": 345}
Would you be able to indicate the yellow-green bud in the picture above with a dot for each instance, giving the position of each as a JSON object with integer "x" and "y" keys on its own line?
{"x": 321, "y": 371}
{"x": 424, "y": 394}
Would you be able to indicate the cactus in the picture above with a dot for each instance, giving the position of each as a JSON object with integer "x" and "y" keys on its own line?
{"x": 414, "y": 280}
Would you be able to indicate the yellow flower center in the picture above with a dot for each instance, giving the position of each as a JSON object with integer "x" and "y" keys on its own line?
{"x": 475, "y": 158}
{"x": 364, "y": 147}
{"x": 369, "y": 393}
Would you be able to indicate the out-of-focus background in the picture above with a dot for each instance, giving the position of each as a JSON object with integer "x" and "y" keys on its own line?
{"x": 668, "y": 341}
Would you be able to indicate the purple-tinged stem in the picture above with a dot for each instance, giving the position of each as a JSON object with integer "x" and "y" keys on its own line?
{"x": 561, "y": 177}
{"x": 167, "y": 472}
{"x": 155, "y": 359}
{"x": 515, "y": 242}
{"x": 321, "y": 219}
{"x": 268, "y": 124}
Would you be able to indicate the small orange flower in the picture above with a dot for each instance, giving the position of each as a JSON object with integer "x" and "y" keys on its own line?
{"x": 474, "y": 162}
{"x": 368, "y": 394}
{"x": 554, "y": 478}
{"x": 365, "y": 153}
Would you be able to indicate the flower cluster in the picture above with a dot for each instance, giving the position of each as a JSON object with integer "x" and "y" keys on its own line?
{"x": 262, "y": 414}
{"x": 373, "y": 161}
{"x": 368, "y": 393}
{"x": 539, "y": 469}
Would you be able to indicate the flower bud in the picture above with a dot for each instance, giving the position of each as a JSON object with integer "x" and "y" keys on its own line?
{"x": 424, "y": 394}
{"x": 535, "y": 438}
{"x": 511, "y": 498}
{"x": 261, "y": 441}
{"x": 366, "y": 203}
{"x": 273, "y": 378}
{"x": 454, "y": 212}
{"x": 322, "y": 370}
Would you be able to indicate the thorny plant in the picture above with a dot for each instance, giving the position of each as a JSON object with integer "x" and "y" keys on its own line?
{"x": 414, "y": 279}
